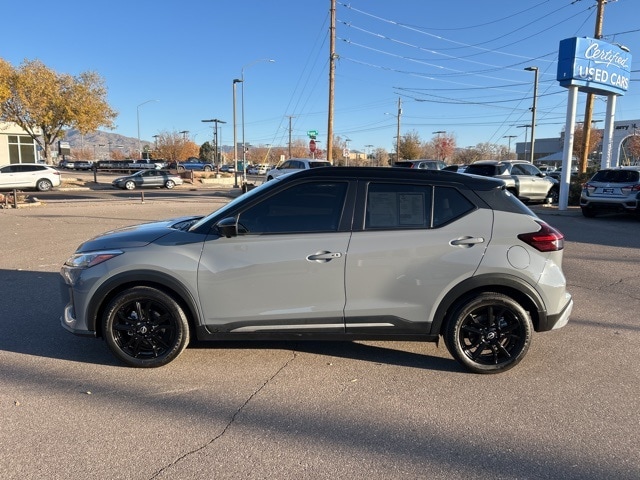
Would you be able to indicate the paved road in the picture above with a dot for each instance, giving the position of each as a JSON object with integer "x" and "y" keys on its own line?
{"x": 369, "y": 410}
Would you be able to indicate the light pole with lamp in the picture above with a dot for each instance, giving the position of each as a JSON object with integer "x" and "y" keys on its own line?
{"x": 438, "y": 146}
{"x": 533, "y": 110}
{"x": 509, "y": 151}
{"x": 215, "y": 137}
{"x": 235, "y": 139}
{"x": 138, "y": 120}
{"x": 348, "y": 152}
{"x": 244, "y": 147}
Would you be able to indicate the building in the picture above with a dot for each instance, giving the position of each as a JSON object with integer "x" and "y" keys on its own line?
{"x": 550, "y": 150}
{"x": 16, "y": 145}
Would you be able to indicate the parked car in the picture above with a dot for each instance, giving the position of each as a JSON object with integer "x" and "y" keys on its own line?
{"x": 339, "y": 253}
{"x": 455, "y": 168}
{"x": 228, "y": 168}
{"x": 67, "y": 164}
{"x": 612, "y": 190}
{"x": 421, "y": 164}
{"x": 193, "y": 163}
{"x": 522, "y": 178}
{"x": 82, "y": 165}
{"x": 29, "y": 176}
{"x": 259, "y": 169}
{"x": 557, "y": 173}
{"x": 295, "y": 165}
{"x": 148, "y": 178}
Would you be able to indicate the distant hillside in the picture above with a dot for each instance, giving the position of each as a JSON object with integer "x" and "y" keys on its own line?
{"x": 102, "y": 141}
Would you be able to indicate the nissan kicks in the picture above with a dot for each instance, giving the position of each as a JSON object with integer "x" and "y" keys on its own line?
{"x": 329, "y": 254}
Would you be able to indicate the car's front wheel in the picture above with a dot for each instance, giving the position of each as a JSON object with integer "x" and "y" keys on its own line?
{"x": 145, "y": 327}
{"x": 130, "y": 185}
{"x": 553, "y": 196}
{"x": 489, "y": 333}
{"x": 169, "y": 184}
{"x": 44, "y": 185}
{"x": 207, "y": 168}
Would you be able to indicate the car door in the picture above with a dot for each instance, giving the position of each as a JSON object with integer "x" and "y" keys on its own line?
{"x": 284, "y": 271}
{"x": 532, "y": 185}
{"x": 417, "y": 241}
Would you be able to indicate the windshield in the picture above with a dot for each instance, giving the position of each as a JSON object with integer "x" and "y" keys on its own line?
{"x": 234, "y": 202}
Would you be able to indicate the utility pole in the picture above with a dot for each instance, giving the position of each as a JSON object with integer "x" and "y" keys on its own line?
{"x": 290, "y": 117}
{"x": 398, "y": 132}
{"x": 332, "y": 73}
{"x": 588, "y": 109}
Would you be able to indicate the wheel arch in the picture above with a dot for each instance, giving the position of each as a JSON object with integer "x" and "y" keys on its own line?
{"x": 158, "y": 280}
{"x": 514, "y": 287}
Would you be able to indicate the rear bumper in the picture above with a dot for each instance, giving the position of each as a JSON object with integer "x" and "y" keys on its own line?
{"x": 559, "y": 320}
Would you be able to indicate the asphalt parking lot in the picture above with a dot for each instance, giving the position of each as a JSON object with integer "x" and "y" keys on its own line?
{"x": 292, "y": 410}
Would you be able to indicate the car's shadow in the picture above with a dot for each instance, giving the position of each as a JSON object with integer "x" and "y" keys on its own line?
{"x": 30, "y": 322}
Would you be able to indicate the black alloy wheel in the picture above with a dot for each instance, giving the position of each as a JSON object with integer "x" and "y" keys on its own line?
{"x": 489, "y": 333}
{"x": 145, "y": 327}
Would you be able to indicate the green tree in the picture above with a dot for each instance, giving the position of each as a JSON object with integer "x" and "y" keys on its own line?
{"x": 43, "y": 102}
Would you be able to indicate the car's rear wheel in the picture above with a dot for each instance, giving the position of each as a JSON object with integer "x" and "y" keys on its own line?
{"x": 145, "y": 327}
{"x": 130, "y": 185}
{"x": 44, "y": 185}
{"x": 588, "y": 212}
{"x": 207, "y": 168}
{"x": 169, "y": 184}
{"x": 489, "y": 333}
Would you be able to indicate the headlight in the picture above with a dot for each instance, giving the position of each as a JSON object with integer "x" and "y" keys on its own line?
{"x": 87, "y": 260}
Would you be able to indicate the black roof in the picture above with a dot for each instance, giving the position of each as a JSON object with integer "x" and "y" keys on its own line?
{"x": 473, "y": 182}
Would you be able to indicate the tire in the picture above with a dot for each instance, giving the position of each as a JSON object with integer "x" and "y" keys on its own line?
{"x": 207, "y": 168}
{"x": 44, "y": 185}
{"x": 588, "y": 212}
{"x": 553, "y": 196}
{"x": 130, "y": 185}
{"x": 489, "y": 333}
{"x": 145, "y": 327}
{"x": 181, "y": 168}
{"x": 169, "y": 184}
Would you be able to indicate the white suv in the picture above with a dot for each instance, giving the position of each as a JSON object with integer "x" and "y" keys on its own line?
{"x": 336, "y": 253}
{"x": 295, "y": 165}
{"x": 29, "y": 176}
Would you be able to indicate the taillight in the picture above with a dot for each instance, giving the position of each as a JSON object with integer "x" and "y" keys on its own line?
{"x": 547, "y": 239}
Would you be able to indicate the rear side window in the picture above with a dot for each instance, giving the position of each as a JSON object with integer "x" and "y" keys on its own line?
{"x": 484, "y": 170}
{"x": 617, "y": 176}
{"x": 402, "y": 206}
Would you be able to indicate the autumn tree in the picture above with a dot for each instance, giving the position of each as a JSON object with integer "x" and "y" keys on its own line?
{"x": 594, "y": 140}
{"x": 410, "y": 146}
{"x": 173, "y": 146}
{"x": 43, "y": 102}
{"x": 444, "y": 145}
{"x": 632, "y": 145}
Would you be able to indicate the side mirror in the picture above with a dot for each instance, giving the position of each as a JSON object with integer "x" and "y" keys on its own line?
{"x": 227, "y": 227}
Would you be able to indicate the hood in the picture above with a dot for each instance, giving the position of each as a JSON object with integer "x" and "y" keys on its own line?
{"x": 135, "y": 236}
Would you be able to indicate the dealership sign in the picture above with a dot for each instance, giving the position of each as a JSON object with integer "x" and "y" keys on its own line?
{"x": 594, "y": 66}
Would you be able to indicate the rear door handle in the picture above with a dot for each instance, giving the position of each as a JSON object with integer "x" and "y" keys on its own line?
{"x": 466, "y": 241}
{"x": 323, "y": 257}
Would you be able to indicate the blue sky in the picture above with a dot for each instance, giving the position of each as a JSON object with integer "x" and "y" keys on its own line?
{"x": 457, "y": 66}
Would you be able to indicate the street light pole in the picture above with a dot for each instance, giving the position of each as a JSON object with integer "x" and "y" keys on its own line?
{"x": 244, "y": 147}
{"x": 215, "y": 137}
{"x": 533, "y": 110}
{"x": 138, "y": 121}
{"x": 509, "y": 137}
{"x": 235, "y": 139}
{"x": 438, "y": 146}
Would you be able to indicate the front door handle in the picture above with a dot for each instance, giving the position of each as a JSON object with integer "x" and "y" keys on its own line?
{"x": 323, "y": 257}
{"x": 466, "y": 241}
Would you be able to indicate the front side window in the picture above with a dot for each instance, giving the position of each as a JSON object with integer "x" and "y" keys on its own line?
{"x": 302, "y": 208}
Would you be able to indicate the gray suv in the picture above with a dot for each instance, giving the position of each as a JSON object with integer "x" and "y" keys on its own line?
{"x": 523, "y": 179}
{"x": 612, "y": 190}
{"x": 342, "y": 253}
